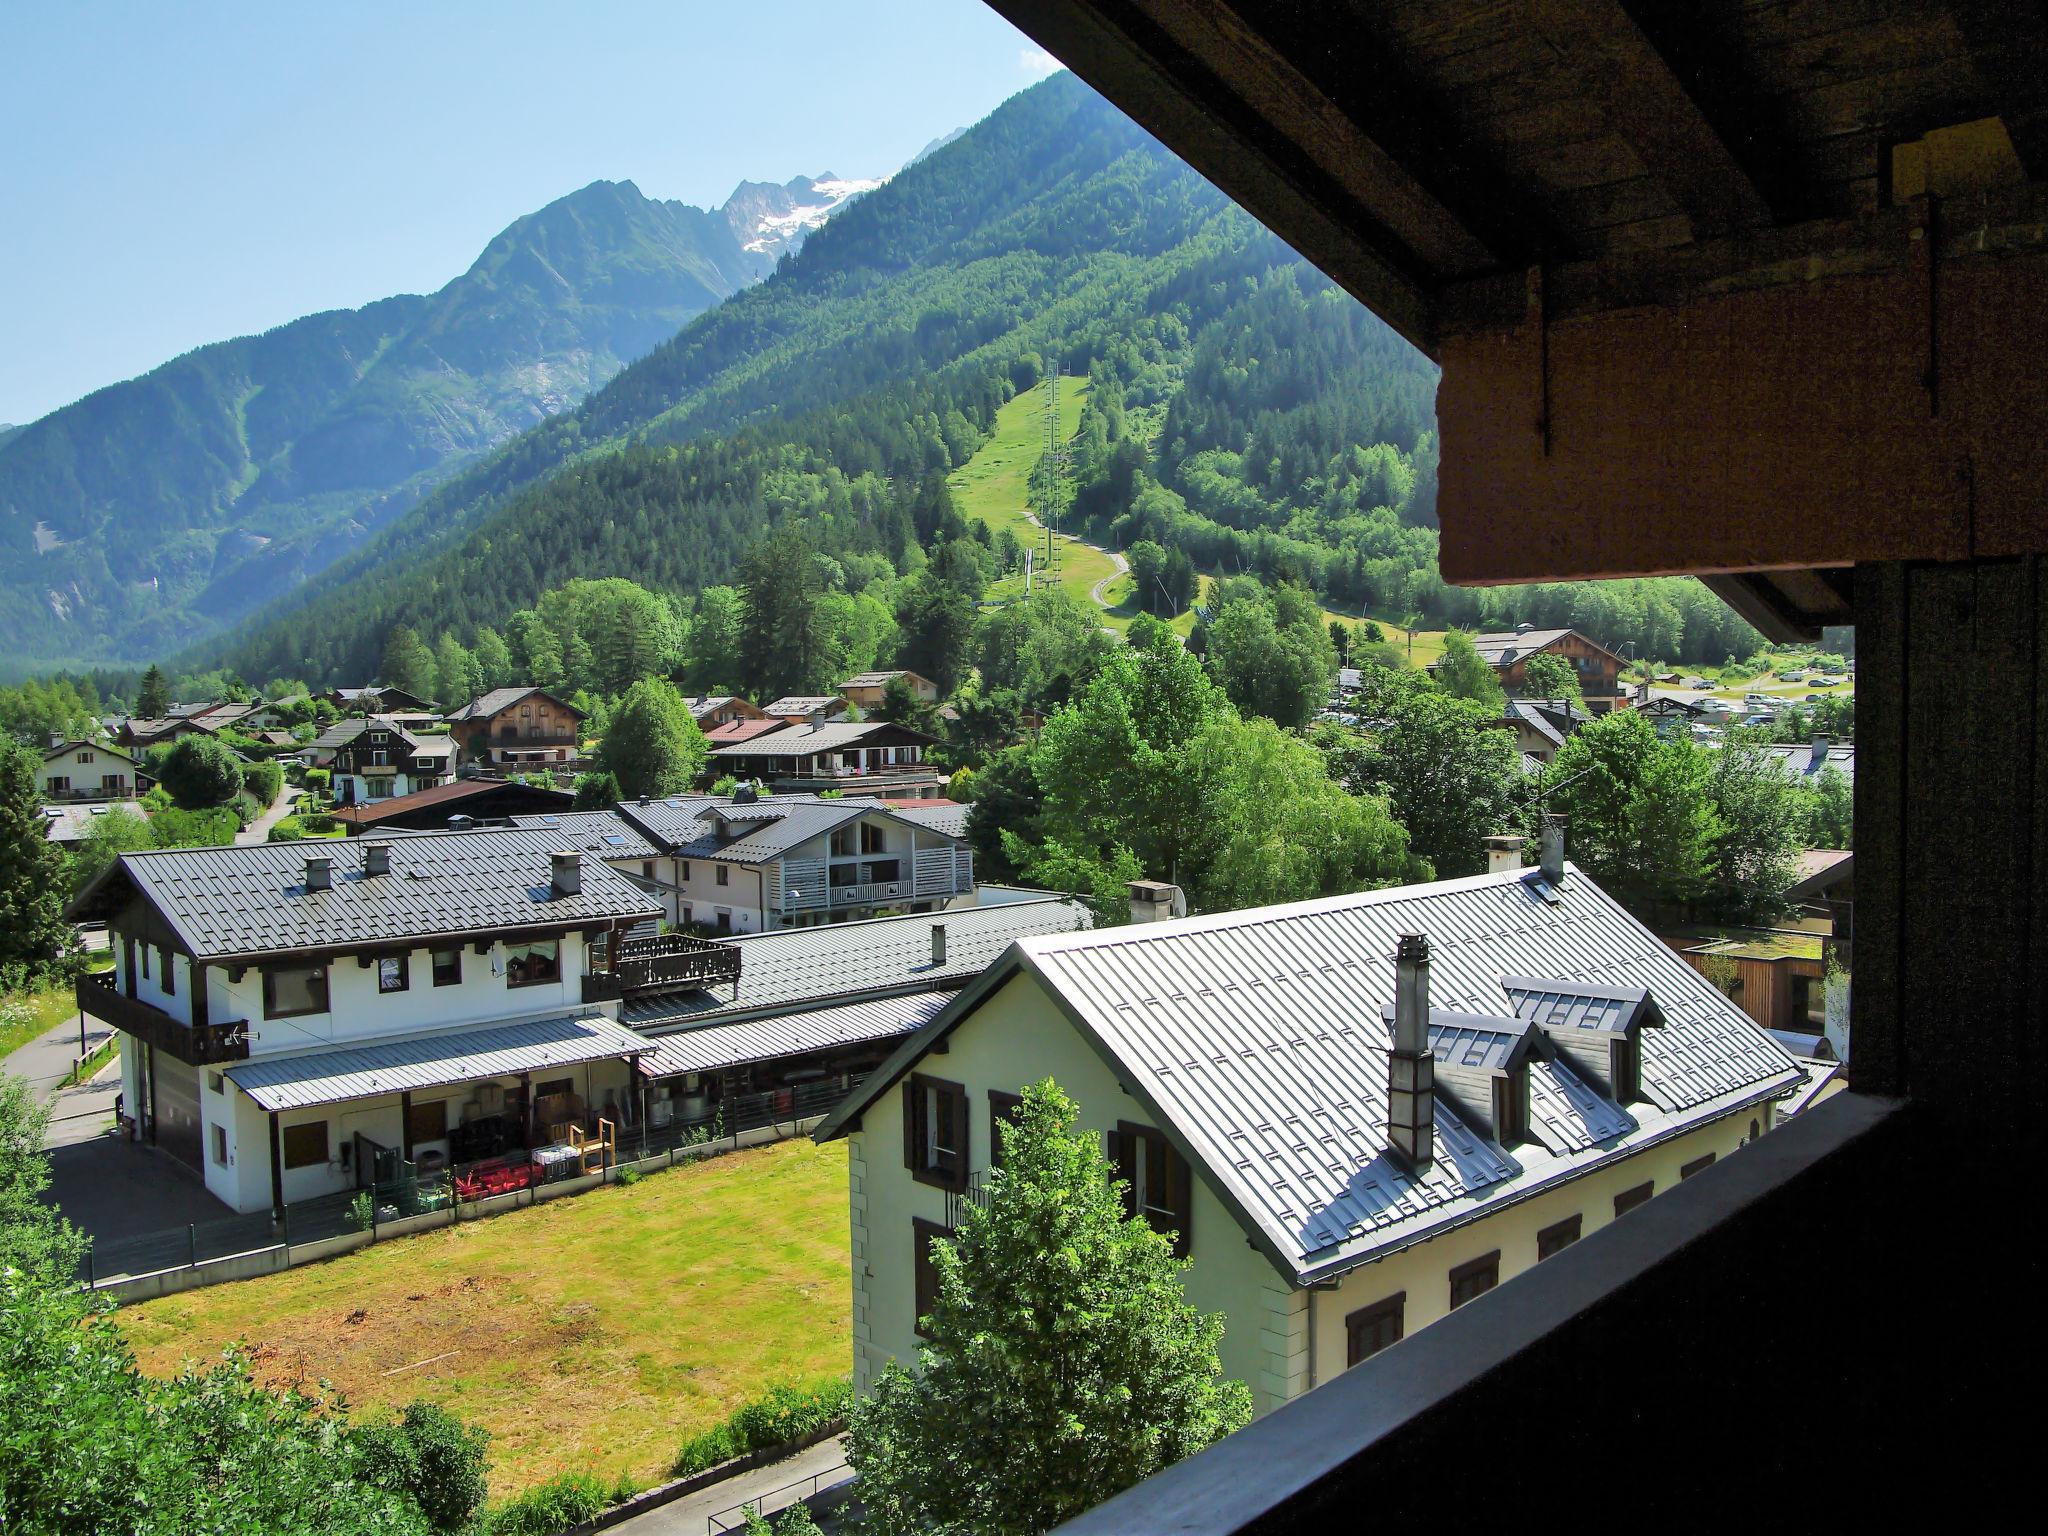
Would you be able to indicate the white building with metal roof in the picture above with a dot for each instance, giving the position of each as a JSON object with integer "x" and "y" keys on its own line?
{"x": 293, "y": 1016}
{"x": 1349, "y": 1131}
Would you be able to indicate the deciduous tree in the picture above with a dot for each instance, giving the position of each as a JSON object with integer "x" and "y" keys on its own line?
{"x": 1463, "y": 674}
{"x": 652, "y": 747}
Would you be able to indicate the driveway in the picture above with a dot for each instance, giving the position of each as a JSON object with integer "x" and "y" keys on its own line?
{"x": 691, "y": 1514}
{"x": 258, "y": 831}
{"x": 120, "y": 1193}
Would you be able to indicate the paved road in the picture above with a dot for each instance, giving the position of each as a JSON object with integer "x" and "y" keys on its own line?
{"x": 258, "y": 831}
{"x": 691, "y": 1516}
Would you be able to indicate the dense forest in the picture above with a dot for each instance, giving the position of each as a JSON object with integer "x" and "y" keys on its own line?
{"x": 1246, "y": 416}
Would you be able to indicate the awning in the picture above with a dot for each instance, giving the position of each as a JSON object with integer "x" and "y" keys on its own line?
{"x": 432, "y": 1061}
{"x": 789, "y": 1034}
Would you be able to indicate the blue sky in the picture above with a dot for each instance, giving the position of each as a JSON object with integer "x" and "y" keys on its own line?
{"x": 174, "y": 174}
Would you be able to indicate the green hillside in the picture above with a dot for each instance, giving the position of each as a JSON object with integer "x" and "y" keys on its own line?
{"x": 182, "y": 500}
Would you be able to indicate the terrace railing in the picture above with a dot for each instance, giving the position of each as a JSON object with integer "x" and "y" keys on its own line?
{"x": 202, "y": 1045}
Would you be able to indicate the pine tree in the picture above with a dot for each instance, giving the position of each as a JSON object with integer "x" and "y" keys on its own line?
{"x": 1064, "y": 1361}
{"x": 783, "y": 647}
{"x": 154, "y": 701}
{"x": 34, "y": 938}
{"x": 408, "y": 664}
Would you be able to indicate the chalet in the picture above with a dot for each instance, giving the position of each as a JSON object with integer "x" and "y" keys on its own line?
{"x": 744, "y": 729}
{"x": 375, "y": 758}
{"x": 710, "y": 710}
{"x": 299, "y": 1020}
{"x": 89, "y": 770}
{"x": 814, "y": 1006}
{"x": 376, "y": 700}
{"x": 868, "y": 757}
{"x": 136, "y": 735}
{"x": 460, "y": 803}
{"x": 868, "y": 689}
{"x": 514, "y": 728}
{"x": 807, "y": 708}
{"x": 1462, "y": 1079}
{"x": 1541, "y": 726}
{"x": 1672, "y": 715}
{"x": 749, "y": 864}
{"x": 1599, "y": 669}
{"x": 278, "y": 714}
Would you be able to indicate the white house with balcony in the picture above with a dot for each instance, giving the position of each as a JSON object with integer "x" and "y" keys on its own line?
{"x": 860, "y": 757}
{"x": 754, "y": 863}
{"x": 89, "y": 770}
{"x": 299, "y": 1020}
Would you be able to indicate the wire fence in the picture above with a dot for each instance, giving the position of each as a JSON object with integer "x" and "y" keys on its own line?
{"x": 776, "y": 1500}
{"x": 460, "y": 1190}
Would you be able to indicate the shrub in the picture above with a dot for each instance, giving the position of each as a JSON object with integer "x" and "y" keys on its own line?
{"x": 319, "y": 821}
{"x": 319, "y": 780}
{"x": 263, "y": 780}
{"x": 549, "y": 1508}
{"x": 362, "y": 1211}
{"x": 245, "y": 807}
{"x": 430, "y": 1454}
{"x": 788, "y": 1412}
{"x": 627, "y": 1176}
{"x": 287, "y": 829}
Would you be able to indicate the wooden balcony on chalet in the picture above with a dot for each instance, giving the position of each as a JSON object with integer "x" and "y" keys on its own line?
{"x": 197, "y": 1045}
{"x": 667, "y": 960}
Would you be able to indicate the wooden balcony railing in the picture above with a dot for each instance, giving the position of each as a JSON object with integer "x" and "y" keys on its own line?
{"x": 666, "y": 960}
{"x": 203, "y": 1045}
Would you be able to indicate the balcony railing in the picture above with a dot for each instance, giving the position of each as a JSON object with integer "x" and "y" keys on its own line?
{"x": 664, "y": 960}
{"x": 976, "y": 1194}
{"x": 203, "y": 1045}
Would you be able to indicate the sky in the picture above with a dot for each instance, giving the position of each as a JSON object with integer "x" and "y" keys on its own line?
{"x": 175, "y": 174}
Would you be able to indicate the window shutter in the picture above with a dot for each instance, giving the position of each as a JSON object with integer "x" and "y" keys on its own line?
{"x": 910, "y": 1107}
{"x": 1180, "y": 1197}
{"x": 1123, "y": 1156}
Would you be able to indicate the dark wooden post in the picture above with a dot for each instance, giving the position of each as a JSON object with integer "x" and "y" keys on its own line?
{"x": 276, "y": 1167}
{"x": 405, "y": 1125}
{"x": 150, "y": 1096}
{"x": 526, "y": 1087}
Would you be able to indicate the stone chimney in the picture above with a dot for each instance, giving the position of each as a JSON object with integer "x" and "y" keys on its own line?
{"x": 938, "y": 943}
{"x": 376, "y": 858}
{"x": 568, "y": 874}
{"x": 1154, "y": 901}
{"x": 1503, "y": 853}
{"x": 1552, "y": 854}
{"x": 1411, "y": 1065}
{"x": 319, "y": 872}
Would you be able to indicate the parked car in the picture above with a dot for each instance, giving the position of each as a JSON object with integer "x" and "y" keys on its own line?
{"x": 1827, "y": 682}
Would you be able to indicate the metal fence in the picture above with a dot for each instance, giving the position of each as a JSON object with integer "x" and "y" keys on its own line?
{"x": 776, "y": 1500}
{"x": 455, "y": 1188}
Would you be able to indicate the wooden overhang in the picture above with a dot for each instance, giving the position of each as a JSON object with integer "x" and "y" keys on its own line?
{"x": 1749, "y": 289}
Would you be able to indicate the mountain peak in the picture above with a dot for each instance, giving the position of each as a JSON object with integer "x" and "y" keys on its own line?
{"x": 768, "y": 220}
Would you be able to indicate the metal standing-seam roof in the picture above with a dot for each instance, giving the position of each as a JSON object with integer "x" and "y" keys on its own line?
{"x": 808, "y": 740}
{"x": 790, "y": 1034}
{"x": 948, "y": 819}
{"x": 794, "y": 968}
{"x": 432, "y": 1061}
{"x": 1256, "y": 1041}
{"x": 249, "y": 901}
{"x": 604, "y": 833}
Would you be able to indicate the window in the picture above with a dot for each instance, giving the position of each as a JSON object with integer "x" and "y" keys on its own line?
{"x": 842, "y": 843}
{"x": 647, "y": 869}
{"x": 871, "y": 839}
{"x": 922, "y": 1235}
{"x": 170, "y": 977}
{"x": 723, "y": 873}
{"x": 60, "y": 784}
{"x": 1697, "y": 1165}
{"x": 84, "y": 757}
{"x": 427, "y": 1122}
{"x": 533, "y": 965}
{"x": 1157, "y": 1181}
{"x": 1557, "y": 1237}
{"x": 215, "y": 1083}
{"x": 394, "y": 973}
{"x": 448, "y": 967}
{"x": 1002, "y": 1110}
{"x": 1511, "y": 1107}
{"x": 220, "y": 1146}
{"x": 1621, "y": 1071}
{"x": 722, "y": 920}
{"x": 289, "y": 991}
{"x": 935, "y": 1132}
{"x": 1371, "y": 1329}
{"x": 1475, "y": 1279}
{"x": 143, "y": 949}
{"x": 1629, "y": 1199}
{"x": 1810, "y": 1002}
{"x": 305, "y": 1146}
{"x": 683, "y": 872}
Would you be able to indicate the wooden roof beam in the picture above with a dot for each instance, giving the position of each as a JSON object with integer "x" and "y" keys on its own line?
{"x": 2007, "y": 40}
{"x": 1646, "y": 101}
{"x": 1269, "y": 140}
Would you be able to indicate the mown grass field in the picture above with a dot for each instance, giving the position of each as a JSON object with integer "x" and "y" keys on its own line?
{"x": 592, "y": 1333}
{"x": 47, "y": 1008}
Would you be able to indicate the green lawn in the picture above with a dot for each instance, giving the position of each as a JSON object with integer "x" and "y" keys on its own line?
{"x": 594, "y": 1332}
{"x": 48, "y": 1007}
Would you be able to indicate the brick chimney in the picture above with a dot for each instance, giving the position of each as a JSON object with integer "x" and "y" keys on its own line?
{"x": 1411, "y": 1065}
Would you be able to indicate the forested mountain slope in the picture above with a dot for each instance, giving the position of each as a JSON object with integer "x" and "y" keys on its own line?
{"x": 185, "y": 498}
{"x": 1242, "y": 410}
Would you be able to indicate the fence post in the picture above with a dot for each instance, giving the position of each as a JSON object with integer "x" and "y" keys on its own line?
{"x": 91, "y": 1278}
{"x": 285, "y": 1212}
{"x": 192, "y": 1244}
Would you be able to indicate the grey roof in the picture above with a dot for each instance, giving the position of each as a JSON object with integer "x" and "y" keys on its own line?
{"x": 1580, "y": 1004}
{"x": 804, "y": 740}
{"x": 415, "y": 1062}
{"x": 74, "y": 742}
{"x": 1486, "y": 1043}
{"x": 74, "y": 823}
{"x": 1504, "y": 649}
{"x": 1255, "y": 1040}
{"x": 1818, "y": 1075}
{"x": 1553, "y": 719}
{"x": 795, "y": 968}
{"x": 948, "y": 820}
{"x": 238, "y": 901}
{"x": 790, "y": 1034}
{"x": 1806, "y": 759}
{"x": 688, "y": 826}
{"x": 881, "y": 679}
{"x": 804, "y": 703}
{"x": 604, "y": 833}
{"x": 484, "y": 705}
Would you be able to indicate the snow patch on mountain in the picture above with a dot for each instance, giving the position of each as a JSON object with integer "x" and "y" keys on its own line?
{"x": 768, "y": 219}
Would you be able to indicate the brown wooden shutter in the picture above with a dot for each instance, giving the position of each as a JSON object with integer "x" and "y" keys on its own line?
{"x": 910, "y": 1108}
{"x": 1180, "y": 1197}
{"x": 953, "y": 1107}
{"x": 1123, "y": 1156}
